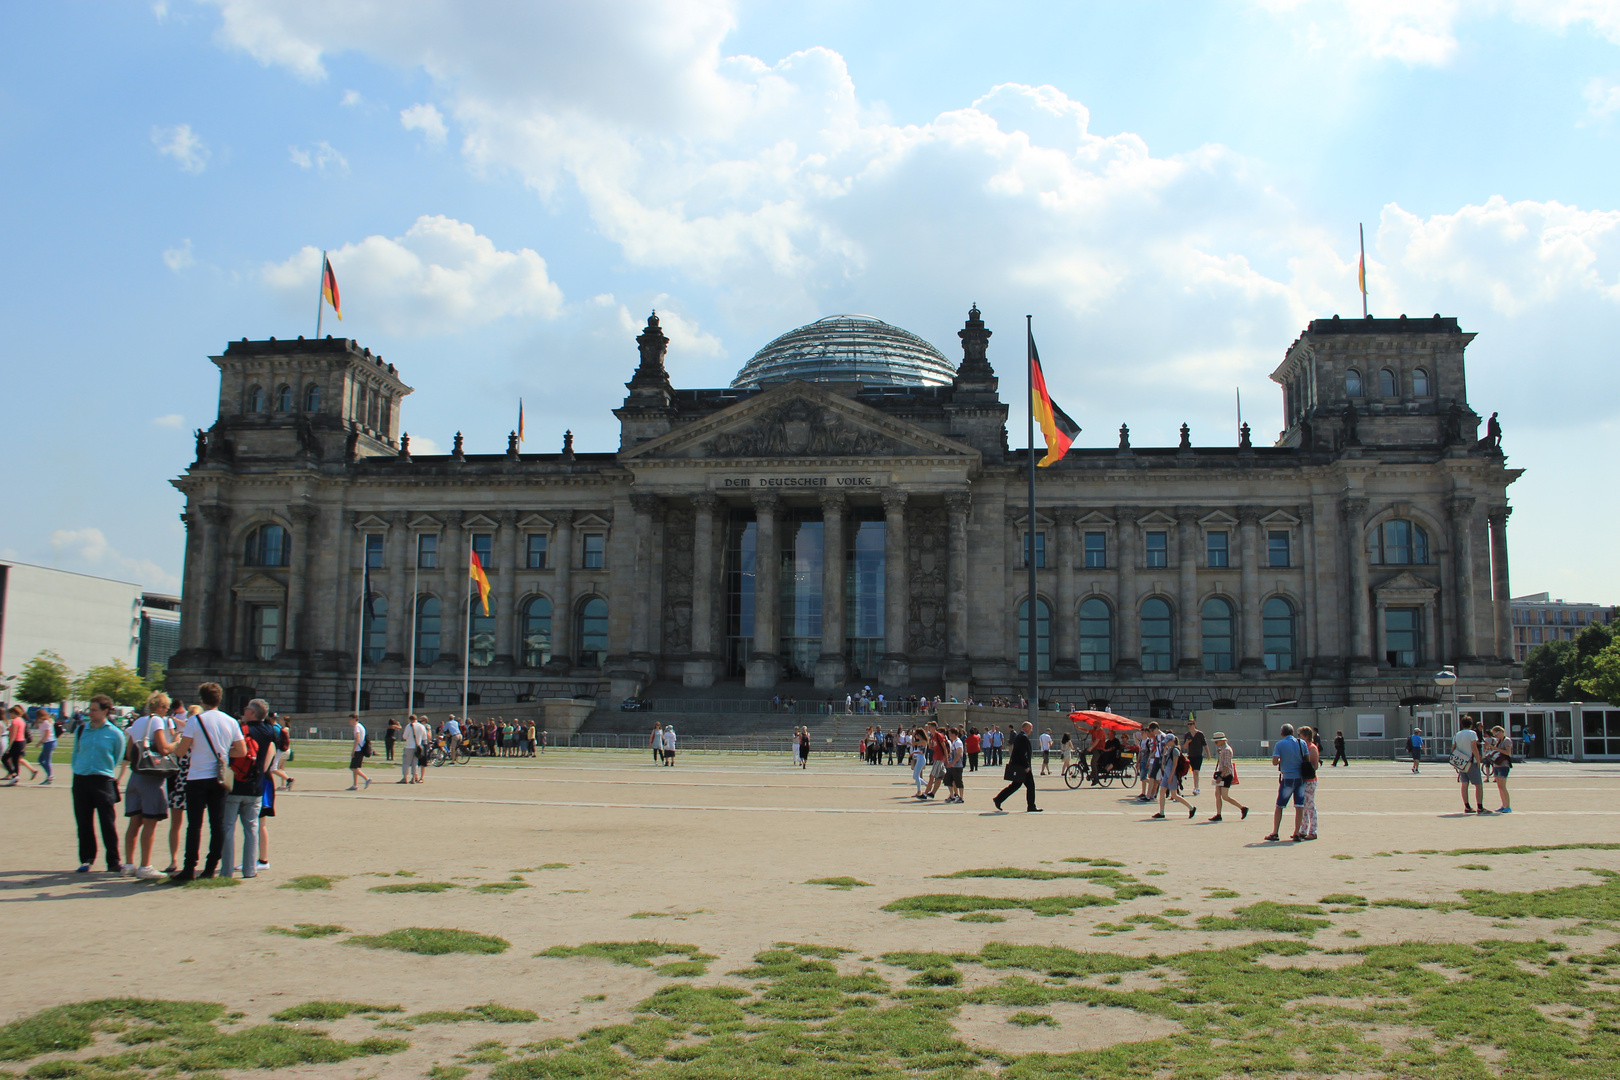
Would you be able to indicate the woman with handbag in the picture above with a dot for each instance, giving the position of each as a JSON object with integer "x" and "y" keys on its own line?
{"x": 1309, "y": 765}
{"x": 1499, "y": 756}
{"x": 1225, "y": 777}
{"x": 150, "y": 758}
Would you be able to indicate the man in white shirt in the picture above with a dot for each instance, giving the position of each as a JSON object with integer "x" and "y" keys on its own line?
{"x": 357, "y": 755}
{"x": 669, "y": 744}
{"x": 211, "y": 738}
{"x": 1046, "y": 752}
{"x": 1467, "y": 741}
{"x": 415, "y": 739}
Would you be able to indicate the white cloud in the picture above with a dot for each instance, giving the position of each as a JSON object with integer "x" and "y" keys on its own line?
{"x": 421, "y": 444}
{"x": 1424, "y": 32}
{"x": 178, "y": 258}
{"x": 172, "y": 420}
{"x": 350, "y": 98}
{"x": 90, "y": 549}
{"x": 182, "y": 144}
{"x": 441, "y": 277}
{"x": 321, "y": 157}
{"x": 428, "y": 120}
{"x": 1602, "y": 98}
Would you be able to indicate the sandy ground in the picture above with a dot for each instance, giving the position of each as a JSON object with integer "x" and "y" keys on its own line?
{"x": 720, "y": 847}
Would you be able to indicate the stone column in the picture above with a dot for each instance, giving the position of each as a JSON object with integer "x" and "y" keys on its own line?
{"x": 342, "y": 576}
{"x": 1191, "y": 653}
{"x": 958, "y": 668}
{"x": 395, "y": 558}
{"x": 190, "y": 594}
{"x": 1128, "y": 644}
{"x": 1498, "y": 518}
{"x": 215, "y": 519}
{"x": 1251, "y": 646}
{"x": 295, "y": 637}
{"x": 1430, "y": 611}
{"x": 453, "y": 608}
{"x": 562, "y": 604}
{"x": 1460, "y": 509}
{"x": 1353, "y": 512}
{"x": 1381, "y": 632}
{"x": 764, "y": 665}
{"x": 503, "y": 552}
{"x": 1067, "y": 629}
{"x": 646, "y": 507}
{"x": 896, "y": 595}
{"x": 832, "y": 666}
{"x": 704, "y": 666}
{"x": 1304, "y": 625}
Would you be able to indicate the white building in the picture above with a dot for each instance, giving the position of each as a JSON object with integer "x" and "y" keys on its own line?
{"x": 86, "y": 620}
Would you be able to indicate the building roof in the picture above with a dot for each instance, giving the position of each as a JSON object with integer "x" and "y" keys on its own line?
{"x": 848, "y": 348}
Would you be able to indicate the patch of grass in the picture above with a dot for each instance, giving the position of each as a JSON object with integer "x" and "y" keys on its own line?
{"x": 308, "y": 930}
{"x": 1174, "y": 912}
{"x": 639, "y": 954}
{"x": 331, "y": 1010}
{"x": 499, "y": 886}
{"x": 958, "y": 903}
{"x": 683, "y": 969}
{"x": 1342, "y": 898}
{"x": 1092, "y": 862}
{"x": 678, "y": 916}
{"x": 1526, "y": 849}
{"x": 1473, "y": 866}
{"x": 1344, "y": 858}
{"x": 1269, "y": 917}
{"x": 845, "y": 883}
{"x": 1221, "y": 894}
{"x": 309, "y": 882}
{"x": 416, "y": 887}
{"x": 433, "y": 941}
{"x": 1029, "y": 1019}
{"x": 218, "y": 881}
{"x": 981, "y": 916}
{"x": 1017, "y": 873}
{"x": 448, "y": 1072}
{"x": 594, "y": 997}
{"x": 554, "y": 866}
{"x": 1600, "y": 901}
{"x": 1350, "y": 933}
{"x": 488, "y": 1013}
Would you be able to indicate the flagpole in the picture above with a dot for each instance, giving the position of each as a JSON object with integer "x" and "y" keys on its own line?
{"x": 1029, "y": 542}
{"x": 466, "y": 640}
{"x": 1361, "y": 231}
{"x": 365, "y": 602}
{"x": 320, "y": 297}
{"x": 416, "y": 593}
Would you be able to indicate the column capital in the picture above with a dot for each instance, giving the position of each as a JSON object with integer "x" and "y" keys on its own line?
{"x": 1354, "y": 508}
{"x": 303, "y": 512}
{"x": 1127, "y": 515}
{"x": 894, "y": 500}
{"x": 1248, "y": 515}
{"x": 834, "y": 502}
{"x": 1186, "y": 515}
{"x": 216, "y": 513}
{"x": 766, "y": 502}
{"x": 705, "y": 501}
{"x": 455, "y": 519}
{"x": 1065, "y": 515}
{"x": 1460, "y": 506}
{"x": 645, "y": 503}
{"x": 398, "y": 519}
{"x": 959, "y": 502}
{"x": 1498, "y": 515}
{"x": 564, "y": 517}
{"x": 507, "y": 518}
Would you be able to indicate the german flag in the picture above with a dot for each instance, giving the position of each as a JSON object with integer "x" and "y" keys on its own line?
{"x": 475, "y": 571}
{"x": 1055, "y": 423}
{"x": 329, "y": 289}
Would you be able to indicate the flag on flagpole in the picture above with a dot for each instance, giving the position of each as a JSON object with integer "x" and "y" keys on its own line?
{"x": 520, "y": 421}
{"x": 329, "y": 287}
{"x": 1055, "y": 423}
{"x": 475, "y": 571}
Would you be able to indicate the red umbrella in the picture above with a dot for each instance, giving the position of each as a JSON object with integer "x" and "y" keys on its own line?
{"x": 1105, "y": 720}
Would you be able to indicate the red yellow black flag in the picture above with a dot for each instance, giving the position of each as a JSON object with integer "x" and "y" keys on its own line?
{"x": 1060, "y": 431}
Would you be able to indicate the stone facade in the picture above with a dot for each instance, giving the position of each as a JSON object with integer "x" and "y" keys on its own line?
{"x": 1340, "y": 566}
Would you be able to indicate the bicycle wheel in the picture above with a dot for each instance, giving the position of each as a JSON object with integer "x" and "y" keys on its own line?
{"x": 462, "y": 756}
{"x": 438, "y": 758}
{"x": 1074, "y": 776}
{"x": 1107, "y": 779}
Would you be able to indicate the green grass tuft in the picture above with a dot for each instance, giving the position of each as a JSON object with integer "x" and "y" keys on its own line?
{"x": 448, "y": 1072}
{"x": 416, "y": 887}
{"x": 218, "y": 881}
{"x": 308, "y": 930}
{"x": 308, "y": 882}
{"x": 331, "y": 1010}
{"x": 501, "y": 886}
{"x": 1029, "y": 1019}
{"x": 956, "y": 903}
{"x": 1269, "y": 917}
{"x": 1222, "y": 894}
{"x": 845, "y": 883}
{"x": 981, "y": 916}
{"x": 432, "y": 941}
{"x": 1016, "y": 872}
{"x": 639, "y": 954}
{"x": 1526, "y": 849}
{"x": 1473, "y": 866}
{"x": 1342, "y": 898}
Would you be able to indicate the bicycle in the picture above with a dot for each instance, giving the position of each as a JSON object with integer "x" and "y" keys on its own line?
{"x": 439, "y": 756}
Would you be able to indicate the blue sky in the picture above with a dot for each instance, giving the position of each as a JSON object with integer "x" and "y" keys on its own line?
{"x": 507, "y": 188}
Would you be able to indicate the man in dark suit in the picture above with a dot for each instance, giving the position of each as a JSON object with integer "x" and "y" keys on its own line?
{"x": 1020, "y": 770}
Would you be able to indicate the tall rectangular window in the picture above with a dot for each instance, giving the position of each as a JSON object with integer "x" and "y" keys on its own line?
{"x": 1157, "y": 549}
{"x": 265, "y": 629}
{"x": 427, "y": 552}
{"x": 1401, "y": 634}
{"x": 595, "y": 545}
{"x": 1216, "y": 548}
{"x": 1277, "y": 548}
{"x": 537, "y": 551}
{"x": 1040, "y": 549}
{"x": 374, "y": 550}
{"x": 1096, "y": 551}
{"x": 484, "y": 545}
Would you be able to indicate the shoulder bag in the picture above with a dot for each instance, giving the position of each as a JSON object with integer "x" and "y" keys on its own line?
{"x": 225, "y": 777}
{"x": 149, "y": 763}
{"x": 1461, "y": 760}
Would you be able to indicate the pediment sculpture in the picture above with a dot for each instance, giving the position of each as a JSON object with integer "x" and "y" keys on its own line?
{"x": 800, "y": 428}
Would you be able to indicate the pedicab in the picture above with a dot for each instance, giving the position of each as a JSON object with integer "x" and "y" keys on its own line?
{"x": 1115, "y": 762}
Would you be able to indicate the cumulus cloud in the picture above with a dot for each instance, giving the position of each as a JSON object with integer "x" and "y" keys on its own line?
{"x": 184, "y": 145}
{"x": 440, "y": 277}
{"x": 421, "y": 444}
{"x": 179, "y": 257}
{"x": 322, "y": 157}
{"x": 1602, "y": 98}
{"x": 91, "y": 551}
{"x": 428, "y": 120}
{"x": 172, "y": 420}
{"x": 350, "y": 98}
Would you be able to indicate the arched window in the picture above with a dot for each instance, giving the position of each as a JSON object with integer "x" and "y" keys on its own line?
{"x": 284, "y": 399}
{"x": 427, "y": 629}
{"x": 1386, "y": 384}
{"x": 1420, "y": 383}
{"x": 1399, "y": 543}
{"x": 1217, "y": 616}
{"x": 1043, "y": 636}
{"x": 1096, "y": 635}
{"x": 376, "y": 631}
{"x": 593, "y": 632}
{"x": 1155, "y": 635}
{"x": 312, "y": 398}
{"x": 266, "y": 546}
{"x": 255, "y": 399}
{"x": 1352, "y": 383}
{"x": 537, "y": 632}
{"x": 480, "y": 632}
{"x": 1278, "y": 616}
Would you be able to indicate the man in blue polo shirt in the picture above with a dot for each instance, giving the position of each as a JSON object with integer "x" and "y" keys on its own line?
{"x": 1287, "y": 755}
{"x": 98, "y": 747}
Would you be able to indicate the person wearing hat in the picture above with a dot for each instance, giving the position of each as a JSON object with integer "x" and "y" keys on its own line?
{"x": 1225, "y": 777}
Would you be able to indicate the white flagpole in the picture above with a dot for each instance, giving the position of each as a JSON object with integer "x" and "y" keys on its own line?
{"x": 466, "y": 638}
{"x": 416, "y": 592}
{"x": 365, "y": 597}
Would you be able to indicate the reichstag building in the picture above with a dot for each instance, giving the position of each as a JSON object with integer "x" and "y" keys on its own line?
{"x": 848, "y": 512}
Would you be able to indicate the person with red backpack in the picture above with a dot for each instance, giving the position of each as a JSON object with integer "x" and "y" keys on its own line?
{"x": 246, "y": 796}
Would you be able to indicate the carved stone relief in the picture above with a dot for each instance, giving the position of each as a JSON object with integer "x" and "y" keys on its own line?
{"x": 799, "y": 429}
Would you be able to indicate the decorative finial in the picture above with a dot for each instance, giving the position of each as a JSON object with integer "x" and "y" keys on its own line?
{"x": 456, "y": 453}
{"x": 568, "y": 446}
{"x": 405, "y": 446}
{"x": 1243, "y": 437}
{"x": 511, "y": 446}
{"x": 1124, "y": 437}
{"x": 1186, "y": 437}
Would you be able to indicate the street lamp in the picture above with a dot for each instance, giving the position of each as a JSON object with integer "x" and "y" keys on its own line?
{"x": 1504, "y": 693}
{"x": 1447, "y": 676}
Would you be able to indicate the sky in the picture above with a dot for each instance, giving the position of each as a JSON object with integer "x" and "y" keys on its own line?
{"x": 506, "y": 190}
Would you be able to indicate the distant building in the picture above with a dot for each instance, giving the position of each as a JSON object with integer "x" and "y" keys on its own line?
{"x": 160, "y": 632}
{"x": 1538, "y": 619}
{"x": 86, "y": 620}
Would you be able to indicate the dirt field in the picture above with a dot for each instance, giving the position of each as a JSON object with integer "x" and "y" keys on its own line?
{"x": 715, "y": 854}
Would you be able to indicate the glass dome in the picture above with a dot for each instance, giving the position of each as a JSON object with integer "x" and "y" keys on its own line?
{"x": 848, "y": 348}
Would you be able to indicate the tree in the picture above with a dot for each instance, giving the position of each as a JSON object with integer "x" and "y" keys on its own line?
{"x": 1589, "y": 644}
{"x": 117, "y": 680}
{"x": 45, "y": 680}
{"x": 1546, "y": 669}
{"x": 1601, "y": 675}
